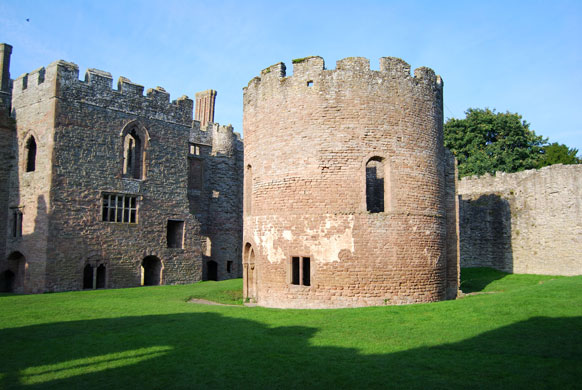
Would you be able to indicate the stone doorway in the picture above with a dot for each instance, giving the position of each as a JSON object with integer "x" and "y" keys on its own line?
{"x": 12, "y": 278}
{"x": 249, "y": 274}
{"x": 151, "y": 271}
{"x": 211, "y": 270}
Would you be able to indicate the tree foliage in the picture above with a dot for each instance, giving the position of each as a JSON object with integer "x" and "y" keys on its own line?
{"x": 487, "y": 141}
{"x": 556, "y": 153}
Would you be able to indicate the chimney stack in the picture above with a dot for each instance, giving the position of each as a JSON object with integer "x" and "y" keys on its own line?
{"x": 205, "y": 107}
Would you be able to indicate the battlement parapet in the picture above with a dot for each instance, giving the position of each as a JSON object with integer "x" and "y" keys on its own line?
{"x": 61, "y": 79}
{"x": 311, "y": 72}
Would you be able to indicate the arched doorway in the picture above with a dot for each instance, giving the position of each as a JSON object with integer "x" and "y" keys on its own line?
{"x": 12, "y": 278}
{"x": 249, "y": 273}
{"x": 88, "y": 277}
{"x": 100, "y": 280}
{"x": 151, "y": 271}
{"x": 211, "y": 270}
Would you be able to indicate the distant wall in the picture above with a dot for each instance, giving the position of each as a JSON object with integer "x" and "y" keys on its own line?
{"x": 524, "y": 222}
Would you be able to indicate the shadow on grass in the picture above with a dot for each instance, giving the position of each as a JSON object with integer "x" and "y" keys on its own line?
{"x": 476, "y": 279}
{"x": 209, "y": 350}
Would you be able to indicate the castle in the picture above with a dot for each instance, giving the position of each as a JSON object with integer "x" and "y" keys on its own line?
{"x": 350, "y": 197}
{"x": 107, "y": 188}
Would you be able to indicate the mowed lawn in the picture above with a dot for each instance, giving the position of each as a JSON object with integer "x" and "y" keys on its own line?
{"x": 523, "y": 331}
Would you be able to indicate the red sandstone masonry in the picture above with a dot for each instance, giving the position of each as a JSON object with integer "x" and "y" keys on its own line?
{"x": 308, "y": 139}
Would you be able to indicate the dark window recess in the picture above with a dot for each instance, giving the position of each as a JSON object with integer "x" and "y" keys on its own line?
{"x": 229, "y": 266}
{"x": 375, "y": 185}
{"x": 310, "y": 83}
{"x": 132, "y": 155}
{"x": 301, "y": 271}
{"x": 295, "y": 270}
{"x": 17, "y": 223}
{"x": 196, "y": 174}
{"x": 100, "y": 282}
{"x": 306, "y": 271}
{"x": 30, "y": 155}
{"x": 175, "y": 235}
{"x": 119, "y": 208}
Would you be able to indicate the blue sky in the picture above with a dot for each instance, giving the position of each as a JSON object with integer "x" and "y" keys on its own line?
{"x": 523, "y": 57}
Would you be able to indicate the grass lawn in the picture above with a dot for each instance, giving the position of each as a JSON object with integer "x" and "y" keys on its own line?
{"x": 528, "y": 334}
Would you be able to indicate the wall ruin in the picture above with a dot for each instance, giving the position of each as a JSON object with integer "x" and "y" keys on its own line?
{"x": 527, "y": 222}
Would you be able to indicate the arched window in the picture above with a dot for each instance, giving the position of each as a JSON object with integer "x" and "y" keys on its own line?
{"x": 30, "y": 154}
{"x": 134, "y": 141}
{"x": 375, "y": 174}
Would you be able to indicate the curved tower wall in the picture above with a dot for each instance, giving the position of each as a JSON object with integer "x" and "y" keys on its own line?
{"x": 308, "y": 141}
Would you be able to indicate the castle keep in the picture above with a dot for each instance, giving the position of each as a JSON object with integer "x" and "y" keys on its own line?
{"x": 104, "y": 187}
{"x": 349, "y": 194}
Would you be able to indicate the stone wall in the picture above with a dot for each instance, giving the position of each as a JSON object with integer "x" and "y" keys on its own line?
{"x": 525, "y": 222}
{"x": 81, "y": 130}
{"x": 311, "y": 141}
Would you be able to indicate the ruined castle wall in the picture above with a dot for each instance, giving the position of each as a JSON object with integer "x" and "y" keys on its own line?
{"x": 524, "y": 222}
{"x": 87, "y": 162}
{"x": 33, "y": 105}
{"x": 7, "y": 163}
{"x": 308, "y": 139}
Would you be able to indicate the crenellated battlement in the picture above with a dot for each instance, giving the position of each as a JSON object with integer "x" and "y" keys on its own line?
{"x": 61, "y": 79}
{"x": 311, "y": 72}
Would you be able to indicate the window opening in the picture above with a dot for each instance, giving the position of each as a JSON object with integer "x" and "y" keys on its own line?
{"x": 375, "y": 185}
{"x": 229, "y": 266}
{"x": 310, "y": 83}
{"x": 31, "y": 155}
{"x": 306, "y": 271}
{"x": 119, "y": 208}
{"x": 175, "y": 234}
{"x": 301, "y": 271}
{"x": 17, "y": 223}
{"x": 132, "y": 155}
{"x": 195, "y": 149}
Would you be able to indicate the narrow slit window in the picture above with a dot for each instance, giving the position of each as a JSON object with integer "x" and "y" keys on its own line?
{"x": 17, "y": 223}
{"x": 375, "y": 185}
{"x": 306, "y": 271}
{"x": 295, "y": 270}
{"x": 31, "y": 155}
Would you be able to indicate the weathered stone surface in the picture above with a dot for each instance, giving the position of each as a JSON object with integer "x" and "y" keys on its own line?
{"x": 308, "y": 141}
{"x": 79, "y": 128}
{"x": 524, "y": 222}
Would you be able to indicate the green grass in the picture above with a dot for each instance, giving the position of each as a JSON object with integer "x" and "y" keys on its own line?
{"x": 527, "y": 335}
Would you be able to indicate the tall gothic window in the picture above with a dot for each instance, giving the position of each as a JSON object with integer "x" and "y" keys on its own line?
{"x": 133, "y": 155}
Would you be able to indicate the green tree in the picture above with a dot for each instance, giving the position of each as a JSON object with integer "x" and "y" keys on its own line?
{"x": 487, "y": 141}
{"x": 556, "y": 153}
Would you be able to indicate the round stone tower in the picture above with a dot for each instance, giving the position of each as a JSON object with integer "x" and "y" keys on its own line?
{"x": 345, "y": 193}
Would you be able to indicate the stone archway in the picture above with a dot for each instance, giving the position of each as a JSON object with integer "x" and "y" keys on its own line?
{"x": 13, "y": 276}
{"x": 151, "y": 271}
{"x": 249, "y": 274}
